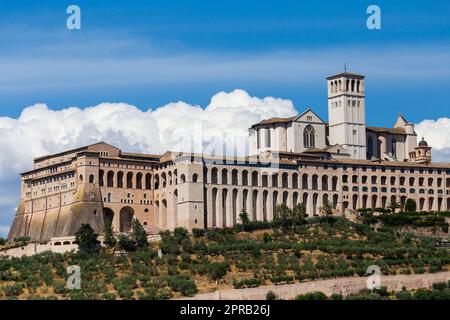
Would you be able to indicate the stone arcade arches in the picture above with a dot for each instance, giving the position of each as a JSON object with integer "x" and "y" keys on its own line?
{"x": 126, "y": 218}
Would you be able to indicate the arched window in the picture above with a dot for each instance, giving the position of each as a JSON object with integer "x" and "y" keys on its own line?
{"x": 194, "y": 177}
{"x": 370, "y": 147}
{"x": 394, "y": 148}
{"x": 91, "y": 178}
{"x": 309, "y": 136}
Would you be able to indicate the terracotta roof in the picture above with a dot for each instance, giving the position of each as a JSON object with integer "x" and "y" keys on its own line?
{"x": 387, "y": 130}
{"x": 274, "y": 120}
{"x": 315, "y": 150}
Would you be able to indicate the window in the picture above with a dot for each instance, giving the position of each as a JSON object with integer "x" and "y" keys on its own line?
{"x": 258, "y": 142}
{"x": 370, "y": 147}
{"x": 394, "y": 148}
{"x": 267, "y": 138}
{"x": 309, "y": 136}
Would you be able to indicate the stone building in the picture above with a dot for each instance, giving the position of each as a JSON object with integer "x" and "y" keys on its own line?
{"x": 301, "y": 159}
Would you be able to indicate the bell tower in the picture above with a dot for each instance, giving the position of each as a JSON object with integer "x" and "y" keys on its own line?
{"x": 347, "y": 113}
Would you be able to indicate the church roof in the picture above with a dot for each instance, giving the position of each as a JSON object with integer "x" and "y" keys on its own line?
{"x": 274, "y": 120}
{"x": 346, "y": 74}
{"x": 387, "y": 130}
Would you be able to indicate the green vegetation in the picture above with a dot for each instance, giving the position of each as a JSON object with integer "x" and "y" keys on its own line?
{"x": 290, "y": 249}
{"x": 86, "y": 238}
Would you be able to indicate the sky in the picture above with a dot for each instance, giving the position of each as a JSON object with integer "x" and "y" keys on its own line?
{"x": 227, "y": 62}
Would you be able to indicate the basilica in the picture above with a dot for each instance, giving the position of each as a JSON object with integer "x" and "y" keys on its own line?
{"x": 301, "y": 159}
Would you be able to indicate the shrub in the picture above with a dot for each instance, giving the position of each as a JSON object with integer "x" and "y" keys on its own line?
{"x": 182, "y": 283}
{"x": 312, "y": 296}
{"x": 2, "y": 241}
{"x": 217, "y": 270}
{"x": 126, "y": 243}
{"x": 198, "y": 232}
{"x": 13, "y": 290}
{"x": 271, "y": 295}
{"x": 110, "y": 240}
{"x": 410, "y": 205}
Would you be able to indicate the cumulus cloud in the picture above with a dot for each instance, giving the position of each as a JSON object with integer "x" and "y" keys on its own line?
{"x": 437, "y": 134}
{"x": 179, "y": 126}
{"x": 40, "y": 130}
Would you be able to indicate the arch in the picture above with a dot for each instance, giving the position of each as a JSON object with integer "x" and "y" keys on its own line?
{"x": 234, "y": 205}
{"x": 254, "y": 204}
{"x": 354, "y": 201}
{"x": 126, "y": 218}
{"x": 275, "y": 200}
{"x": 421, "y": 204}
{"x": 412, "y": 180}
{"x": 315, "y": 182}
{"x": 224, "y": 176}
{"x": 224, "y": 207}
{"x": 101, "y": 178}
{"x": 335, "y": 200}
{"x": 284, "y": 180}
{"x": 383, "y": 202}
{"x": 214, "y": 175}
{"x": 430, "y": 203}
{"x": 447, "y": 183}
{"x": 148, "y": 181}
{"x": 182, "y": 178}
{"x": 265, "y": 179}
{"x": 130, "y": 180}
{"x": 305, "y": 199}
{"x": 120, "y": 179}
{"x": 295, "y": 180}
{"x": 214, "y": 207}
{"x": 244, "y": 199}
{"x": 163, "y": 180}
{"x": 324, "y": 182}
{"x": 234, "y": 177}
{"x": 245, "y": 178}
{"x": 334, "y": 182}
{"x": 309, "y": 137}
{"x": 110, "y": 179}
{"x": 169, "y": 174}
{"x": 430, "y": 182}
{"x": 374, "y": 201}
{"x": 255, "y": 178}
{"x": 91, "y": 178}
{"x": 156, "y": 181}
{"x": 393, "y": 179}
{"x": 324, "y": 198}
{"x": 315, "y": 200}
{"x": 294, "y": 199}
{"x": 275, "y": 180}
{"x": 285, "y": 198}
{"x": 81, "y": 178}
{"x": 108, "y": 214}
{"x": 195, "y": 177}
{"x": 265, "y": 197}
{"x": 163, "y": 214}
{"x": 364, "y": 201}
{"x": 305, "y": 181}
{"x": 139, "y": 180}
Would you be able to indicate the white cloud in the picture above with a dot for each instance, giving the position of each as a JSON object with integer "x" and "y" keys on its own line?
{"x": 40, "y": 130}
{"x": 437, "y": 134}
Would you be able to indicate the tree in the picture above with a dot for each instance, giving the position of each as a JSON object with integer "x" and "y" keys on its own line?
{"x": 126, "y": 243}
{"x": 283, "y": 215}
{"x": 2, "y": 241}
{"x": 243, "y": 216}
{"x": 110, "y": 240}
{"x": 86, "y": 238}
{"x": 327, "y": 210}
{"x": 299, "y": 214}
{"x": 138, "y": 234}
{"x": 393, "y": 205}
{"x": 410, "y": 205}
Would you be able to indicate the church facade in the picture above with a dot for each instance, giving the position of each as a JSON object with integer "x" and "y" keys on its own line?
{"x": 300, "y": 159}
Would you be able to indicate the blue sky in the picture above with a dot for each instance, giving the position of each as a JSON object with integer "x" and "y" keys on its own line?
{"x": 293, "y": 44}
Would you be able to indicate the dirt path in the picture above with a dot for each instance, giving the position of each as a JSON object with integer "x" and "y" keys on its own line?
{"x": 339, "y": 285}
